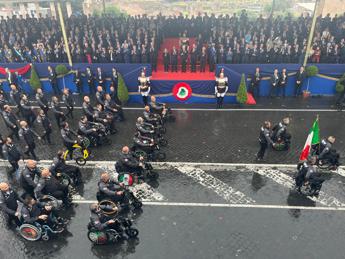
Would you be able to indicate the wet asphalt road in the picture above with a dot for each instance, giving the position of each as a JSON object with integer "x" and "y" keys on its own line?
{"x": 208, "y": 232}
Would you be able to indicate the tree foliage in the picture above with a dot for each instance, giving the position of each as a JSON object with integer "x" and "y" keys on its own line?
{"x": 34, "y": 79}
{"x": 241, "y": 96}
{"x": 122, "y": 90}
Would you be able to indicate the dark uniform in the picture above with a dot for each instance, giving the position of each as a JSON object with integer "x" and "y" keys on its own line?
{"x": 47, "y": 127}
{"x": 12, "y": 154}
{"x": 42, "y": 102}
{"x": 58, "y": 113}
{"x": 109, "y": 190}
{"x": 51, "y": 186}
{"x": 28, "y": 136}
{"x": 88, "y": 111}
{"x": 78, "y": 81}
{"x": 27, "y": 112}
{"x": 283, "y": 79}
{"x": 68, "y": 136}
{"x": 203, "y": 58}
{"x": 53, "y": 81}
{"x": 193, "y": 60}
{"x": 184, "y": 58}
{"x": 90, "y": 81}
{"x": 9, "y": 204}
{"x": 100, "y": 78}
{"x": 69, "y": 102}
{"x": 59, "y": 165}
{"x": 11, "y": 122}
{"x": 174, "y": 61}
{"x": 15, "y": 97}
{"x": 128, "y": 163}
{"x": 274, "y": 84}
{"x": 115, "y": 109}
{"x": 299, "y": 82}
{"x": 255, "y": 84}
{"x": 264, "y": 140}
{"x": 100, "y": 97}
{"x": 27, "y": 179}
{"x": 166, "y": 61}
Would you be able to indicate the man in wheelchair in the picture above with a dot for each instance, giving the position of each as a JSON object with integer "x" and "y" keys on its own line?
{"x": 308, "y": 176}
{"x": 112, "y": 107}
{"x": 49, "y": 185}
{"x": 111, "y": 189}
{"x": 280, "y": 134}
{"x": 99, "y": 220}
{"x": 151, "y": 117}
{"x": 59, "y": 166}
{"x": 145, "y": 128}
{"x": 327, "y": 154}
{"x": 39, "y": 213}
{"x": 158, "y": 108}
{"x": 105, "y": 118}
{"x": 129, "y": 163}
{"x": 69, "y": 138}
{"x": 90, "y": 130}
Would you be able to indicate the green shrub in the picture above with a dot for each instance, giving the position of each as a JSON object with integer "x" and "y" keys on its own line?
{"x": 312, "y": 71}
{"x": 241, "y": 95}
{"x": 61, "y": 70}
{"x": 122, "y": 90}
{"x": 34, "y": 79}
{"x": 340, "y": 86}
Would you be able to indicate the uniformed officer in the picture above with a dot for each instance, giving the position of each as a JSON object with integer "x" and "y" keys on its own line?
{"x": 255, "y": 83}
{"x": 27, "y": 177}
{"x": 193, "y": 59}
{"x": 11, "y": 121}
{"x": 57, "y": 110}
{"x": 144, "y": 86}
{"x": 90, "y": 80}
{"x": 166, "y": 60}
{"x": 53, "y": 80}
{"x": 15, "y": 96}
{"x": 184, "y": 58}
{"x": 87, "y": 108}
{"x": 100, "y": 77}
{"x": 111, "y": 106}
{"x": 129, "y": 163}
{"x": 111, "y": 189}
{"x": 27, "y": 110}
{"x": 68, "y": 137}
{"x": 11, "y": 153}
{"x": 9, "y": 203}
{"x": 49, "y": 185}
{"x": 46, "y": 124}
{"x": 42, "y": 100}
{"x": 28, "y": 137}
{"x": 221, "y": 88}
{"x": 274, "y": 82}
{"x": 174, "y": 59}
{"x": 68, "y": 101}
{"x": 264, "y": 140}
{"x": 100, "y": 95}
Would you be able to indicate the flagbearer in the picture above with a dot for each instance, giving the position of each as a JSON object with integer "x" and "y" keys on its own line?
{"x": 221, "y": 88}
{"x": 144, "y": 86}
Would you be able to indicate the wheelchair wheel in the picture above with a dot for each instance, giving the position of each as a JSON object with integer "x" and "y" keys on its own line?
{"x": 163, "y": 142}
{"x": 80, "y": 161}
{"x": 132, "y": 232}
{"x": 30, "y": 232}
{"x": 97, "y": 237}
{"x": 324, "y": 165}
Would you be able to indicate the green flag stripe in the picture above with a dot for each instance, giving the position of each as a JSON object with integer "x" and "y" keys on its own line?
{"x": 316, "y": 131}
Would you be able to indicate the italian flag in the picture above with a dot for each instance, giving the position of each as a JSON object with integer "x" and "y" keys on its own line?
{"x": 312, "y": 139}
{"x": 127, "y": 179}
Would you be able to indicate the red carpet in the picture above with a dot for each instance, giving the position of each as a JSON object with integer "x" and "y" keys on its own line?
{"x": 161, "y": 75}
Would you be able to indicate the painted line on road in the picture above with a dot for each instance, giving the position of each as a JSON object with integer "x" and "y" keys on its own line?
{"x": 226, "y": 205}
{"x": 224, "y": 190}
{"x": 288, "y": 181}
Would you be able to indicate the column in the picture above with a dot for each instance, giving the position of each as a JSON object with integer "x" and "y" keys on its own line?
{"x": 52, "y": 9}
{"x": 69, "y": 9}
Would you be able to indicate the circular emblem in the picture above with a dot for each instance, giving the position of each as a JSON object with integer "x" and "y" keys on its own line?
{"x": 182, "y": 91}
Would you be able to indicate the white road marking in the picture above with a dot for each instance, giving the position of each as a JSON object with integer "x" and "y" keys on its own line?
{"x": 224, "y": 190}
{"x": 288, "y": 182}
{"x": 227, "y": 205}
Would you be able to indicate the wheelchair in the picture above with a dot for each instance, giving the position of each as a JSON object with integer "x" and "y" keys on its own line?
{"x": 34, "y": 232}
{"x": 129, "y": 178}
{"x": 130, "y": 201}
{"x": 149, "y": 154}
{"x": 81, "y": 152}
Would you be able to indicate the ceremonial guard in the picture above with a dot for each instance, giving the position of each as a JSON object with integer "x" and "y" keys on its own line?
{"x": 144, "y": 86}
{"x": 221, "y": 88}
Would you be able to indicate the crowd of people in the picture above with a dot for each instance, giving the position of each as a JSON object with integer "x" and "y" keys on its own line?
{"x": 136, "y": 39}
{"x": 27, "y": 125}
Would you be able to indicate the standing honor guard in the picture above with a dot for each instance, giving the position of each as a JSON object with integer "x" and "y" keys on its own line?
{"x": 221, "y": 88}
{"x": 144, "y": 86}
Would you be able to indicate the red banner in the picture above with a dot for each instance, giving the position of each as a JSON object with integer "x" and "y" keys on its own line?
{"x": 20, "y": 70}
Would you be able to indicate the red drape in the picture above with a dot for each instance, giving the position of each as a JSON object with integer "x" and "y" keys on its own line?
{"x": 20, "y": 70}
